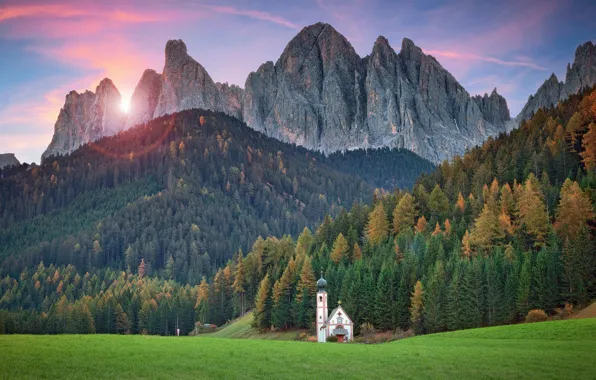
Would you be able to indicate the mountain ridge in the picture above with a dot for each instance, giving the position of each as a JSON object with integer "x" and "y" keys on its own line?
{"x": 321, "y": 95}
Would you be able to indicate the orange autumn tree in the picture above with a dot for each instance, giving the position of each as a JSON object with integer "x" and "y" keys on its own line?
{"x": 404, "y": 214}
{"x": 531, "y": 211}
{"x": 340, "y": 248}
{"x": 573, "y": 212}
{"x": 421, "y": 224}
{"x": 377, "y": 227}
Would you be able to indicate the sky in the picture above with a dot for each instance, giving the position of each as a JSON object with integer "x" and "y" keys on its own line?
{"x": 49, "y": 48}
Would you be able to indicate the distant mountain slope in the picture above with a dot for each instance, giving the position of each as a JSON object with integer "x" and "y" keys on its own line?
{"x": 195, "y": 186}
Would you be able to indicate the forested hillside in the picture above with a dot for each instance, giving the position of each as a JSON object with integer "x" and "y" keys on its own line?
{"x": 186, "y": 190}
{"x": 480, "y": 241}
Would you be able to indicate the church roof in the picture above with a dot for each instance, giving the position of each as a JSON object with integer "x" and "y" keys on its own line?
{"x": 334, "y": 311}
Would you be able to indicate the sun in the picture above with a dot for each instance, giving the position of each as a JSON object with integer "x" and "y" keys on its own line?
{"x": 125, "y": 104}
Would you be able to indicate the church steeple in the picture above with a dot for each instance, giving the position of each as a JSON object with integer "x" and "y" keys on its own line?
{"x": 322, "y": 312}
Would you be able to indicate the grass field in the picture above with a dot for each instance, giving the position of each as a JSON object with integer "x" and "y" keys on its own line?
{"x": 549, "y": 350}
{"x": 241, "y": 328}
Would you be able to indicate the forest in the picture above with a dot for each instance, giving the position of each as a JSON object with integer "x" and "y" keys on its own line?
{"x": 480, "y": 241}
{"x": 190, "y": 188}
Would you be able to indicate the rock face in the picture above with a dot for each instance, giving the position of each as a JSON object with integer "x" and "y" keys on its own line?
{"x": 184, "y": 84}
{"x": 313, "y": 95}
{"x": 322, "y": 95}
{"x": 580, "y": 75}
{"x": 8, "y": 159}
{"x": 144, "y": 98}
{"x": 87, "y": 117}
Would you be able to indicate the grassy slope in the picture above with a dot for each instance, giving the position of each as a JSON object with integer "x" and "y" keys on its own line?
{"x": 241, "y": 328}
{"x": 549, "y": 350}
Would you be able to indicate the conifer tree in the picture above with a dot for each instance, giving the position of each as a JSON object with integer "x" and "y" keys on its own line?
{"x": 466, "y": 248}
{"x": 377, "y": 227}
{"x": 404, "y": 214}
{"x": 437, "y": 230}
{"x": 304, "y": 242}
{"x": 532, "y": 211}
{"x": 202, "y": 304}
{"x": 461, "y": 203}
{"x": 421, "y": 225}
{"x": 239, "y": 285}
{"x": 573, "y": 212}
{"x": 356, "y": 253}
{"x": 438, "y": 203}
{"x": 340, "y": 249}
{"x": 487, "y": 231}
{"x": 472, "y": 293}
{"x": 434, "y": 300}
{"x": 417, "y": 308}
{"x": 454, "y": 303}
{"x": 524, "y": 287}
{"x": 402, "y": 305}
{"x": 384, "y": 307}
{"x": 262, "y": 313}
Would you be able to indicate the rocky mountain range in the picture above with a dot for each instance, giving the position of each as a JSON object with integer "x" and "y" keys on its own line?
{"x": 87, "y": 117}
{"x": 8, "y": 159}
{"x": 580, "y": 75}
{"x": 320, "y": 94}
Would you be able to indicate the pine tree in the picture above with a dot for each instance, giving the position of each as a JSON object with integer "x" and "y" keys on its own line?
{"x": 377, "y": 227}
{"x": 170, "y": 268}
{"x": 486, "y": 232}
{"x": 307, "y": 286}
{"x": 466, "y": 248}
{"x": 239, "y": 285}
{"x": 573, "y": 212}
{"x": 304, "y": 242}
{"x": 421, "y": 225}
{"x": 494, "y": 290}
{"x": 404, "y": 214}
{"x": 202, "y": 304}
{"x": 454, "y": 303}
{"x": 262, "y": 313}
{"x": 417, "y": 307}
{"x": 524, "y": 287}
{"x": 437, "y": 230}
{"x": 472, "y": 292}
{"x": 438, "y": 203}
{"x": 402, "y": 304}
{"x": 461, "y": 203}
{"x": 356, "y": 253}
{"x": 141, "y": 269}
{"x": 340, "y": 249}
{"x": 434, "y": 300}
{"x": 532, "y": 211}
{"x": 384, "y": 299}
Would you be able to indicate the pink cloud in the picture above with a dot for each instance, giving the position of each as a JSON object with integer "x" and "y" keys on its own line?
{"x": 476, "y": 57}
{"x": 254, "y": 14}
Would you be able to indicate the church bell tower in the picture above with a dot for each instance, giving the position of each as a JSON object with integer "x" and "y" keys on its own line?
{"x": 322, "y": 312}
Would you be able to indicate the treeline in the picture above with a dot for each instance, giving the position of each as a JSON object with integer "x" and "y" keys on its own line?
{"x": 59, "y": 300}
{"x": 190, "y": 188}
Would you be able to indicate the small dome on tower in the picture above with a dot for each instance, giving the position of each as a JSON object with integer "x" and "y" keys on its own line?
{"x": 321, "y": 284}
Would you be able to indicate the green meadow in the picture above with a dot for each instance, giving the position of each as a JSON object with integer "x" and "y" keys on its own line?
{"x": 548, "y": 350}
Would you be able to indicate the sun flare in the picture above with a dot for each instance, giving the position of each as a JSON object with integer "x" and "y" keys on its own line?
{"x": 125, "y": 104}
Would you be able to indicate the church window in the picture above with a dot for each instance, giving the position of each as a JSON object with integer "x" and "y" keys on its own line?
{"x": 320, "y": 298}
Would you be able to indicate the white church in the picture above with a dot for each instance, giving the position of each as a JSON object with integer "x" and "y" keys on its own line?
{"x": 337, "y": 323}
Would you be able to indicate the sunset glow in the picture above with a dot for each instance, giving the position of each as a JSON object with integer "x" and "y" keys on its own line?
{"x": 66, "y": 45}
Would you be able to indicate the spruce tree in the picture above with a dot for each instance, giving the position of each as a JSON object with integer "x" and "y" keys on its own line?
{"x": 434, "y": 300}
